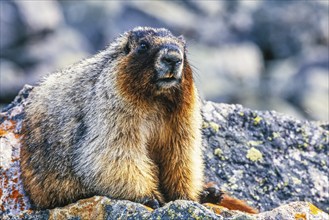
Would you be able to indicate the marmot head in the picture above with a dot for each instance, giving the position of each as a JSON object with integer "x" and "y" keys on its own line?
{"x": 154, "y": 65}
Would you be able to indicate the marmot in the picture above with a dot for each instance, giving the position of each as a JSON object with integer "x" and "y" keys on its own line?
{"x": 124, "y": 123}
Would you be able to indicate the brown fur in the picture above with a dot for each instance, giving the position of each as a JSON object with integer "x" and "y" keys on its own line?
{"x": 105, "y": 127}
{"x": 236, "y": 204}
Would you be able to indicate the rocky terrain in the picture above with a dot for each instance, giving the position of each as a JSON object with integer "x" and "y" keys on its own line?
{"x": 269, "y": 55}
{"x": 266, "y": 157}
{"x": 272, "y": 161}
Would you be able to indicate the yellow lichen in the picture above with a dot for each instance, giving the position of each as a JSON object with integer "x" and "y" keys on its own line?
{"x": 300, "y": 216}
{"x": 214, "y": 126}
{"x": 222, "y": 157}
{"x": 218, "y": 152}
{"x": 276, "y": 135}
{"x": 232, "y": 179}
{"x": 304, "y": 162}
{"x": 257, "y": 119}
{"x": 234, "y": 186}
{"x": 313, "y": 209}
{"x": 205, "y": 124}
{"x": 254, "y": 155}
{"x": 296, "y": 181}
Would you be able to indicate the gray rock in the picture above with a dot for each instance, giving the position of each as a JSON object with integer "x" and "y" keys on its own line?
{"x": 12, "y": 78}
{"x": 34, "y": 42}
{"x": 95, "y": 20}
{"x": 220, "y": 69}
{"x": 299, "y": 86}
{"x": 57, "y": 50}
{"x": 104, "y": 208}
{"x": 308, "y": 88}
{"x": 12, "y": 28}
{"x": 285, "y": 28}
{"x": 39, "y": 16}
{"x": 265, "y": 157}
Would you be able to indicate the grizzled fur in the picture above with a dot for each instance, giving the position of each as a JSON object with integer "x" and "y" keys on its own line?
{"x": 117, "y": 124}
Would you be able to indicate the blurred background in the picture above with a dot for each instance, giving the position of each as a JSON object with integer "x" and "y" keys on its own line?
{"x": 265, "y": 55}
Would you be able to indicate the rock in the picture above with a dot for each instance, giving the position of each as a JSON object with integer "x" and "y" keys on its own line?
{"x": 99, "y": 207}
{"x": 94, "y": 20}
{"x": 309, "y": 89}
{"x": 56, "y": 50}
{"x": 12, "y": 196}
{"x": 265, "y": 158}
{"x": 14, "y": 79}
{"x": 11, "y": 26}
{"x": 294, "y": 210}
{"x": 34, "y": 41}
{"x": 281, "y": 32}
{"x": 47, "y": 18}
{"x": 301, "y": 84}
{"x": 169, "y": 12}
{"x": 232, "y": 64}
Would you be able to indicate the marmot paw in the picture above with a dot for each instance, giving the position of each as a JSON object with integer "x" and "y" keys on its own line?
{"x": 211, "y": 194}
{"x": 150, "y": 202}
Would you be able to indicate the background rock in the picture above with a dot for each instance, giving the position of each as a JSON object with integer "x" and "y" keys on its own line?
{"x": 256, "y": 53}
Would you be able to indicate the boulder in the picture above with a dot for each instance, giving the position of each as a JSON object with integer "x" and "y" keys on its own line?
{"x": 266, "y": 158}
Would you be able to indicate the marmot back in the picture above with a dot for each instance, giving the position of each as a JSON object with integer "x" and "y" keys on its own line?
{"x": 124, "y": 123}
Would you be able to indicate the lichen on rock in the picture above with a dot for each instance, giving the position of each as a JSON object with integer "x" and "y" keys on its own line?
{"x": 282, "y": 159}
{"x": 254, "y": 155}
{"x": 12, "y": 196}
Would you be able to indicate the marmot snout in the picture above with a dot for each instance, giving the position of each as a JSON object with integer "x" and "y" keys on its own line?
{"x": 124, "y": 123}
{"x": 168, "y": 65}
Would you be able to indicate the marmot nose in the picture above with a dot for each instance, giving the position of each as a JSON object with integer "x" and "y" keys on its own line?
{"x": 171, "y": 59}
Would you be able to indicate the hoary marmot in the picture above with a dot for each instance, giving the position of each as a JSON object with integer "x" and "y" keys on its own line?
{"x": 124, "y": 123}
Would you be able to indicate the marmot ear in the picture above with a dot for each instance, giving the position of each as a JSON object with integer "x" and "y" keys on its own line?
{"x": 127, "y": 47}
{"x": 181, "y": 37}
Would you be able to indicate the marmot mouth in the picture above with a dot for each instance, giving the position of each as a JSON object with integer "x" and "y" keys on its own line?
{"x": 167, "y": 82}
{"x": 167, "y": 79}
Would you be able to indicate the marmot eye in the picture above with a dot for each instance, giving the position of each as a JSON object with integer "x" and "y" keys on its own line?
{"x": 143, "y": 47}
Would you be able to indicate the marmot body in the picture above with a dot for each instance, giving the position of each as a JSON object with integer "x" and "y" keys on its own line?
{"x": 123, "y": 124}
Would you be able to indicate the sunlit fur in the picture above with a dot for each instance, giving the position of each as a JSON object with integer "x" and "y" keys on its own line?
{"x": 104, "y": 127}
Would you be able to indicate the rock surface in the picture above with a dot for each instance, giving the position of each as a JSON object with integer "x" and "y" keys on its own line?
{"x": 264, "y": 158}
{"x": 104, "y": 208}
